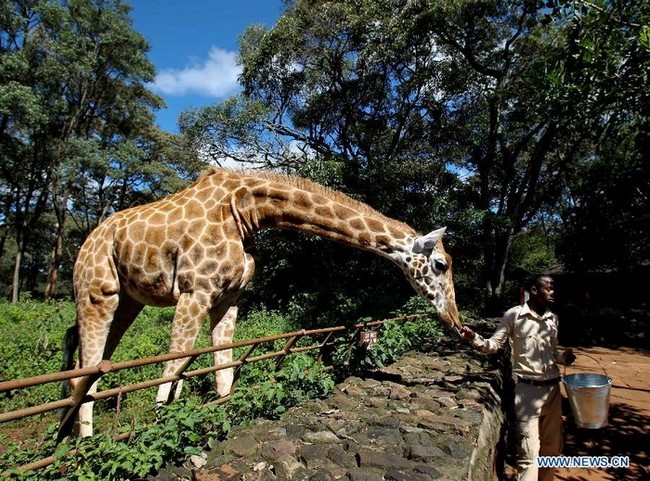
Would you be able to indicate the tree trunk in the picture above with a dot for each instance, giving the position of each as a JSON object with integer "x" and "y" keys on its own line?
{"x": 3, "y": 239}
{"x": 55, "y": 262}
{"x": 15, "y": 283}
{"x": 497, "y": 242}
{"x": 503, "y": 243}
{"x": 57, "y": 249}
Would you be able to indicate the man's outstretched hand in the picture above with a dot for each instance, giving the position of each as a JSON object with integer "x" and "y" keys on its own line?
{"x": 467, "y": 334}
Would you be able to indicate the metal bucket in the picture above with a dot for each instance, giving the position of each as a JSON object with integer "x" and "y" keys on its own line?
{"x": 588, "y": 395}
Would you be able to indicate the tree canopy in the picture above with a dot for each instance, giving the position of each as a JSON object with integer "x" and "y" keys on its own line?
{"x": 520, "y": 125}
{"x": 77, "y": 139}
{"x": 481, "y": 115}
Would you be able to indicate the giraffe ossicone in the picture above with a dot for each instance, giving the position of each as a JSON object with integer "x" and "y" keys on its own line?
{"x": 194, "y": 250}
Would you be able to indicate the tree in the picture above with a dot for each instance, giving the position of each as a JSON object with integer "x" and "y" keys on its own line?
{"x": 435, "y": 89}
{"x": 479, "y": 113}
{"x": 314, "y": 114}
{"x": 73, "y": 80}
{"x": 606, "y": 208}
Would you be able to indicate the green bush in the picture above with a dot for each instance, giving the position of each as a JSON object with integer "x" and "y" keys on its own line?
{"x": 300, "y": 378}
{"x": 396, "y": 337}
{"x": 181, "y": 429}
{"x": 30, "y": 335}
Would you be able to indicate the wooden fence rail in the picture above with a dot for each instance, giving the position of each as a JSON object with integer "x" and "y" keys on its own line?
{"x": 332, "y": 339}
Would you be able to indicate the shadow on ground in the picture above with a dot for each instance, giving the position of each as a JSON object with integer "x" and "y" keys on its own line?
{"x": 626, "y": 435}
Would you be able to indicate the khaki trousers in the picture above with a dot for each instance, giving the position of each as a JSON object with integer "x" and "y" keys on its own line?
{"x": 538, "y": 414}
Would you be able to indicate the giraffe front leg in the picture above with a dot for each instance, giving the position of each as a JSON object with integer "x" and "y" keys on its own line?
{"x": 223, "y": 329}
{"x": 191, "y": 311}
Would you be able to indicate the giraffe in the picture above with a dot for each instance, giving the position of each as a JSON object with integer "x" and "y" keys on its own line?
{"x": 194, "y": 248}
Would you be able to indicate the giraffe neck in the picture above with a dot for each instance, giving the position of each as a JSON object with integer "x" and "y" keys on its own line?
{"x": 296, "y": 204}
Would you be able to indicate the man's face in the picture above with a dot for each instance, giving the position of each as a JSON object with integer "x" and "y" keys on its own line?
{"x": 545, "y": 292}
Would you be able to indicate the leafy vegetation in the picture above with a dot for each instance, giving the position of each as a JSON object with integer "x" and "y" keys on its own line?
{"x": 180, "y": 429}
{"x": 77, "y": 134}
{"x": 404, "y": 95}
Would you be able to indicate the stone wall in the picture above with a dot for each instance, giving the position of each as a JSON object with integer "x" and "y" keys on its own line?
{"x": 434, "y": 414}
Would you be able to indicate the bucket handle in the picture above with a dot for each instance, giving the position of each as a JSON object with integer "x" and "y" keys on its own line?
{"x": 592, "y": 357}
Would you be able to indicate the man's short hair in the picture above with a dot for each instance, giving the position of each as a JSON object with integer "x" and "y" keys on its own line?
{"x": 535, "y": 280}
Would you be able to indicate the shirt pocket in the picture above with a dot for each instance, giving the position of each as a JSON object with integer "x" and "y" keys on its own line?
{"x": 524, "y": 342}
{"x": 548, "y": 339}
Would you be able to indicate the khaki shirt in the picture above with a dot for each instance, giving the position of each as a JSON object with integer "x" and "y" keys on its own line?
{"x": 533, "y": 340}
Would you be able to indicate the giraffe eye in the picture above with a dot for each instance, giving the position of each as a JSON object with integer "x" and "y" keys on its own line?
{"x": 440, "y": 266}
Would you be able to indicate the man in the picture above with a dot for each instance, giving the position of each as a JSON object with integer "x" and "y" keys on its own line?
{"x": 531, "y": 329}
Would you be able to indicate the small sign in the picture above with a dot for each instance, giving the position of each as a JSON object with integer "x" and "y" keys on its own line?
{"x": 368, "y": 338}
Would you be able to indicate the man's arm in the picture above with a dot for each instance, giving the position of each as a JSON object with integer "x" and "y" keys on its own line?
{"x": 494, "y": 343}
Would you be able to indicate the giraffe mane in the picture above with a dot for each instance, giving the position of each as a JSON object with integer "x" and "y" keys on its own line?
{"x": 313, "y": 187}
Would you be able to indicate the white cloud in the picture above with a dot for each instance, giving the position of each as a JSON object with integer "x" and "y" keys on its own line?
{"x": 216, "y": 76}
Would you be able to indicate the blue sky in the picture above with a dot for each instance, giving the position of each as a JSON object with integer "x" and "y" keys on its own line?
{"x": 194, "y": 44}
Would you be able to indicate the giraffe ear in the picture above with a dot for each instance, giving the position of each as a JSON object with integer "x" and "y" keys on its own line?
{"x": 426, "y": 243}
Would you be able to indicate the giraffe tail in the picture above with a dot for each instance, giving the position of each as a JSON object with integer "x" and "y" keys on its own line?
{"x": 69, "y": 346}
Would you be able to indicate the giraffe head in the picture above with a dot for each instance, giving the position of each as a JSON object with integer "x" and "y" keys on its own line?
{"x": 428, "y": 269}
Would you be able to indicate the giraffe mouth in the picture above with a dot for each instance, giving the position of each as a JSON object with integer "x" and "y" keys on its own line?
{"x": 451, "y": 320}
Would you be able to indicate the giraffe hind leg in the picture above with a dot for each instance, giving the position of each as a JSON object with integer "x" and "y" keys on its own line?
{"x": 101, "y": 327}
{"x": 126, "y": 312}
{"x": 94, "y": 316}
